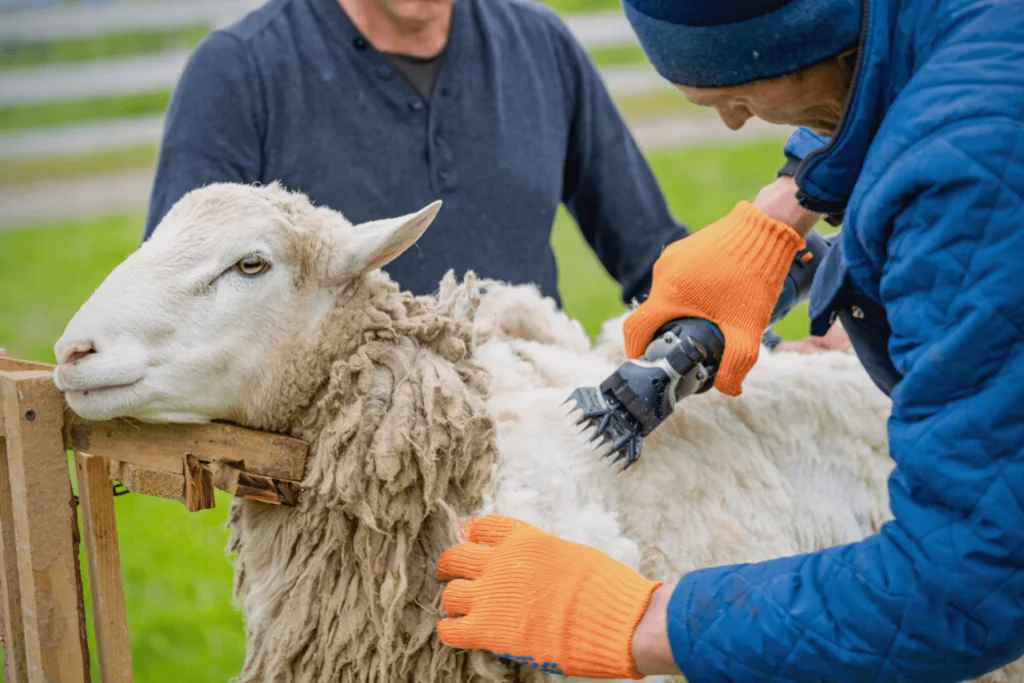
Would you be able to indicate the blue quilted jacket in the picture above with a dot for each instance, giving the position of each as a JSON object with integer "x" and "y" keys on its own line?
{"x": 928, "y": 169}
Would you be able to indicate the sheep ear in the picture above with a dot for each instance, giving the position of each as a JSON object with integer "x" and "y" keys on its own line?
{"x": 376, "y": 243}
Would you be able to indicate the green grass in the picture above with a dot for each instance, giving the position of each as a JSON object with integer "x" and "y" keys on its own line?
{"x": 659, "y": 103}
{"x": 582, "y": 6}
{"x": 23, "y": 117}
{"x": 177, "y": 576}
{"x": 62, "y": 113}
{"x": 29, "y": 170}
{"x": 108, "y": 46}
{"x": 630, "y": 53}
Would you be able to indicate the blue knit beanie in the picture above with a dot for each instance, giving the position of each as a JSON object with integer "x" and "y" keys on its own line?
{"x": 715, "y": 43}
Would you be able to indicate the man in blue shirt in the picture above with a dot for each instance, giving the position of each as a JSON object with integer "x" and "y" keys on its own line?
{"x": 378, "y": 107}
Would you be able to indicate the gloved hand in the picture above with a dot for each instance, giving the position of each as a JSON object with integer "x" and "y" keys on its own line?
{"x": 551, "y": 604}
{"x": 729, "y": 273}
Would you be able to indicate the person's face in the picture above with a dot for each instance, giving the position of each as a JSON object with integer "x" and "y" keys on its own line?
{"x": 813, "y": 98}
{"x": 413, "y": 12}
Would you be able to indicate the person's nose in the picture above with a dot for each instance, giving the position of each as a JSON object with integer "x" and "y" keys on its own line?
{"x": 733, "y": 116}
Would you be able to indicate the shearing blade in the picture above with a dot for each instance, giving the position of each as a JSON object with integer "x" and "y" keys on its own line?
{"x": 610, "y": 423}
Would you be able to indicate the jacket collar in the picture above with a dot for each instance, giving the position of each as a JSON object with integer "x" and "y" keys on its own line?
{"x": 827, "y": 176}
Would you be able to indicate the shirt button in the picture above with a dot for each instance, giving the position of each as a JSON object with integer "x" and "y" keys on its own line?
{"x": 443, "y": 175}
{"x": 415, "y": 105}
{"x": 360, "y": 43}
{"x": 383, "y": 71}
{"x": 857, "y": 312}
{"x": 444, "y": 92}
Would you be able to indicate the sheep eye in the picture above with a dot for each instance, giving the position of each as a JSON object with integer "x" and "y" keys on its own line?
{"x": 252, "y": 265}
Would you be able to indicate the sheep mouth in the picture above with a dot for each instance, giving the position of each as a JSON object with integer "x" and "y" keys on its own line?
{"x": 101, "y": 388}
{"x": 105, "y": 401}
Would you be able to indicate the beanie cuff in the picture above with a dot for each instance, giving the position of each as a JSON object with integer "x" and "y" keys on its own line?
{"x": 797, "y": 35}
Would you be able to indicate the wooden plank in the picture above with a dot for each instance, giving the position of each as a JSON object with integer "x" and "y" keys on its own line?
{"x": 45, "y": 529}
{"x": 162, "y": 446}
{"x": 198, "y": 485}
{"x": 10, "y": 587}
{"x": 15, "y": 365}
{"x": 244, "y": 484}
{"x": 138, "y": 479}
{"x": 103, "y": 558}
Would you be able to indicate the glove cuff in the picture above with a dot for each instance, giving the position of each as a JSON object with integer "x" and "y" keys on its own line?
{"x": 600, "y": 627}
{"x": 758, "y": 243}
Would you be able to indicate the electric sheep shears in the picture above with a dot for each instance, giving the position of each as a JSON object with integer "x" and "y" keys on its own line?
{"x": 681, "y": 360}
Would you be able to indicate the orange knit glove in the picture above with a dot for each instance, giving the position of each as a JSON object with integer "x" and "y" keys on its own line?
{"x": 551, "y": 604}
{"x": 729, "y": 273}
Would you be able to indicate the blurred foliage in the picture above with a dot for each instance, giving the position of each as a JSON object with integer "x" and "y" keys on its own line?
{"x": 17, "y": 55}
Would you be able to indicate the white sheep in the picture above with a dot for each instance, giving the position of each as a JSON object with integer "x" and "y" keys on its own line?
{"x": 250, "y": 305}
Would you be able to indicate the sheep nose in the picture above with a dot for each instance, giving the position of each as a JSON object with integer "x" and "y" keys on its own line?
{"x": 76, "y": 351}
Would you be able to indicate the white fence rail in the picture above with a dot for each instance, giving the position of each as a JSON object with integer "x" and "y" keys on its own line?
{"x": 88, "y": 19}
{"x": 70, "y": 82}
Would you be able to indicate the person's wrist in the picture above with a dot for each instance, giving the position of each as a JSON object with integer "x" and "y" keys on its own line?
{"x": 652, "y": 652}
{"x": 778, "y": 200}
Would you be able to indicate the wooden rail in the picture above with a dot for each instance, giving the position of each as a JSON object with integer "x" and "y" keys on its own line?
{"x": 41, "y": 594}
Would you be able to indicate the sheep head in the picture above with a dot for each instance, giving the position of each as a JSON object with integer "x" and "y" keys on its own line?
{"x": 182, "y": 329}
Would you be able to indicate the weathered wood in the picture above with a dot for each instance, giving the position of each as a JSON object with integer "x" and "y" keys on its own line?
{"x": 10, "y": 587}
{"x": 138, "y": 479}
{"x": 162, "y": 446}
{"x": 15, "y": 365}
{"x": 198, "y": 485}
{"x": 103, "y": 558}
{"x": 45, "y": 529}
{"x": 242, "y": 484}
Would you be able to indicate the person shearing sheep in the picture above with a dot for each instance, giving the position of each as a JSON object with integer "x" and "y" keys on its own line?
{"x": 913, "y": 130}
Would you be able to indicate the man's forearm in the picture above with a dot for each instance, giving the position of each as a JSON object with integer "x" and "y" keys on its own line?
{"x": 652, "y": 652}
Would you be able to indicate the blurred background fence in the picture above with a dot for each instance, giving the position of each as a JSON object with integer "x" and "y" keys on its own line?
{"x": 84, "y": 85}
{"x": 83, "y": 88}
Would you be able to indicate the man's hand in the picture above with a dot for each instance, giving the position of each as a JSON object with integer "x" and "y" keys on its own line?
{"x": 551, "y": 604}
{"x": 778, "y": 200}
{"x": 729, "y": 273}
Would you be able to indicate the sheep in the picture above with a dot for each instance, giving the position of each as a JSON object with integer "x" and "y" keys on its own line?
{"x": 251, "y": 305}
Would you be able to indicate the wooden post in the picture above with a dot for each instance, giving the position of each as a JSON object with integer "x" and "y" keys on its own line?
{"x": 45, "y": 529}
{"x": 10, "y": 586}
{"x": 104, "y": 561}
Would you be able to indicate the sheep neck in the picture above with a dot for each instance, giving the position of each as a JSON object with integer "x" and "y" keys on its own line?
{"x": 402, "y": 447}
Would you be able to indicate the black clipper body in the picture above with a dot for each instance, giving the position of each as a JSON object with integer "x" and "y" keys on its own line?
{"x": 681, "y": 360}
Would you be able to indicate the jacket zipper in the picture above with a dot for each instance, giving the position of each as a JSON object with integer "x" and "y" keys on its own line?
{"x": 801, "y": 196}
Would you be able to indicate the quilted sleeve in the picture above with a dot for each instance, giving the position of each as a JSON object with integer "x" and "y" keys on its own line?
{"x": 938, "y": 593}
